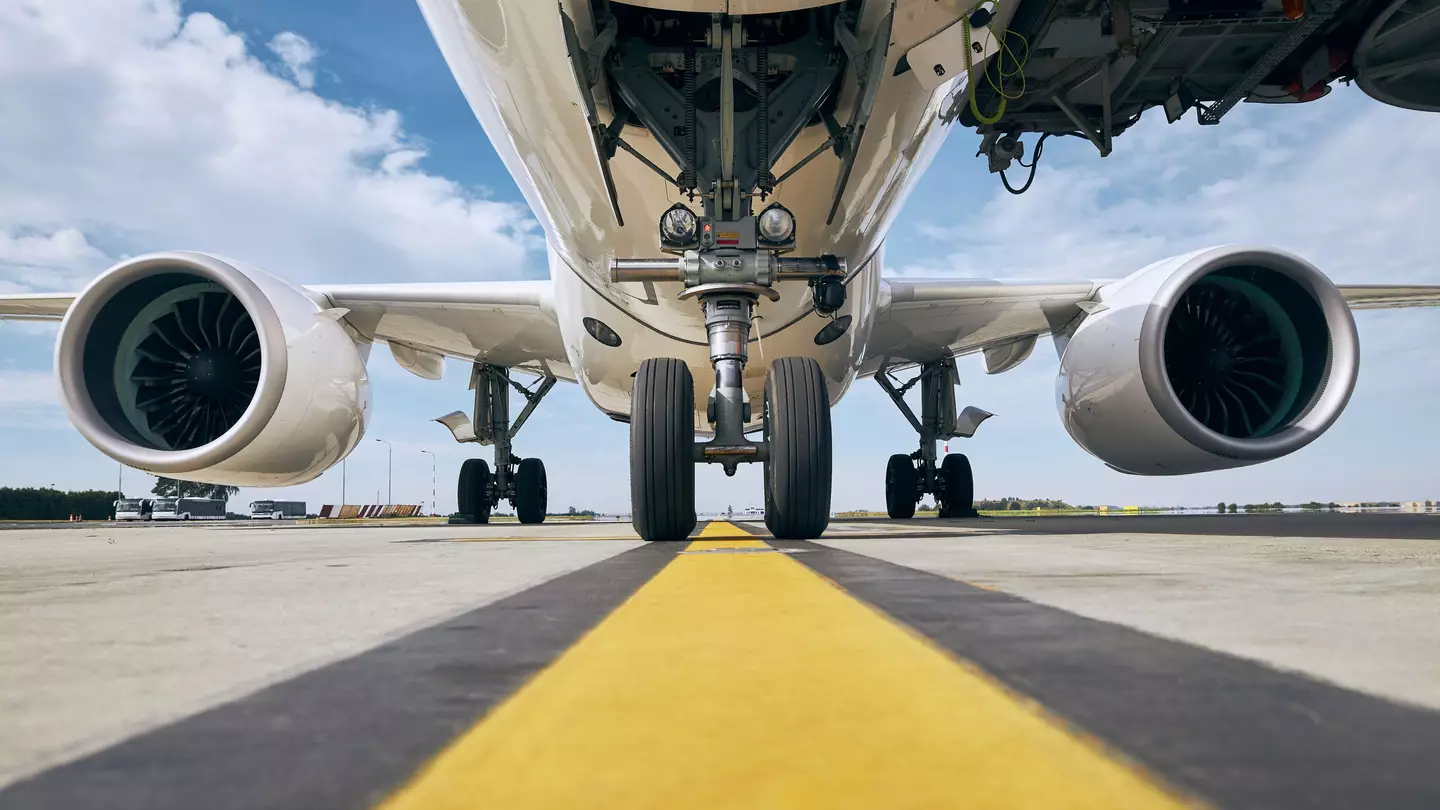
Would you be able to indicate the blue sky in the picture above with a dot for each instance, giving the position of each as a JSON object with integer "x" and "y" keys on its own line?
{"x": 326, "y": 141}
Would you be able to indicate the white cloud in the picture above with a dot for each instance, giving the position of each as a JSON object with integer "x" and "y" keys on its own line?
{"x": 47, "y": 261}
{"x": 29, "y": 401}
{"x": 27, "y": 388}
{"x": 298, "y": 56}
{"x": 1346, "y": 182}
{"x": 129, "y": 126}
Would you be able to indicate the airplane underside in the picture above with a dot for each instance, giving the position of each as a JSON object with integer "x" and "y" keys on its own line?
{"x": 719, "y": 179}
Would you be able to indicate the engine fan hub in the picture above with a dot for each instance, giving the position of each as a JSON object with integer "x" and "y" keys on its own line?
{"x": 213, "y": 374}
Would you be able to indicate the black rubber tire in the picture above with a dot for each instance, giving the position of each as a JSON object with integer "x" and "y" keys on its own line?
{"x": 662, "y": 446}
{"x": 473, "y": 494}
{"x": 900, "y": 482}
{"x": 532, "y": 491}
{"x": 959, "y": 486}
{"x": 798, "y": 470}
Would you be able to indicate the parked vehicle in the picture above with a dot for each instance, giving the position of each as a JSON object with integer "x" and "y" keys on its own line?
{"x": 133, "y": 508}
{"x": 188, "y": 509}
{"x": 277, "y": 510}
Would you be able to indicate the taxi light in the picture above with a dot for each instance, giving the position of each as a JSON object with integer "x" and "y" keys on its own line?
{"x": 776, "y": 225}
{"x": 677, "y": 226}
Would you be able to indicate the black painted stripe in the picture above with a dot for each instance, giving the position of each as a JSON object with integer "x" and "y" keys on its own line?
{"x": 1231, "y": 730}
{"x": 348, "y": 733}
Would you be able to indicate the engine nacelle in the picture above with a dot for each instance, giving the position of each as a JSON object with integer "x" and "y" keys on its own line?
{"x": 195, "y": 367}
{"x": 1220, "y": 358}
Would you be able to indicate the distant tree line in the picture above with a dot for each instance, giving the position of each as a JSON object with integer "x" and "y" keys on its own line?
{"x": 53, "y": 504}
{"x": 1312, "y": 506}
{"x": 1019, "y": 504}
{"x": 175, "y": 488}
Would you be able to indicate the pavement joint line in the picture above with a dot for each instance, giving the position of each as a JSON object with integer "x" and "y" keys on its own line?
{"x": 746, "y": 680}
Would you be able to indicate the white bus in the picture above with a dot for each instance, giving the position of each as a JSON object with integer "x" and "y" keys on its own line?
{"x": 277, "y": 510}
{"x": 188, "y": 509}
{"x": 133, "y": 508}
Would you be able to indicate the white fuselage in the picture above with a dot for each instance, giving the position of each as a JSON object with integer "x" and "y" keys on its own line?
{"x": 511, "y": 61}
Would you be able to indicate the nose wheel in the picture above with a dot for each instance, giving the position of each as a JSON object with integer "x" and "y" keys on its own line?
{"x": 662, "y": 441}
{"x": 797, "y": 434}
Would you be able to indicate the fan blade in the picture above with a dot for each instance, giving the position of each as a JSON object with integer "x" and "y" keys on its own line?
{"x": 148, "y": 370}
{"x": 187, "y": 318}
{"x": 168, "y": 328}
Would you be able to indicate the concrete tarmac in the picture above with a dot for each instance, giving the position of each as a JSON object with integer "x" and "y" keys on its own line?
{"x": 160, "y": 653}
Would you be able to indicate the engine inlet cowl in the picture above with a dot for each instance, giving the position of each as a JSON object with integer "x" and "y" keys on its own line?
{"x": 196, "y": 367}
{"x": 1219, "y": 358}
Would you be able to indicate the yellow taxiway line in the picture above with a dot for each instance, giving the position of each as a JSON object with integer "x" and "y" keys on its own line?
{"x": 745, "y": 680}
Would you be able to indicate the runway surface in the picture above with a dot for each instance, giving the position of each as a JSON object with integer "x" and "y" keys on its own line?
{"x": 1247, "y": 661}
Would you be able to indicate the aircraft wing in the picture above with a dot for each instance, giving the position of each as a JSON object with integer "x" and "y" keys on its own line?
{"x": 35, "y": 306}
{"x": 509, "y": 323}
{"x": 1361, "y": 297}
{"x": 923, "y": 320}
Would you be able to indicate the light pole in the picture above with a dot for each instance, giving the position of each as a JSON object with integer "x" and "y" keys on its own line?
{"x": 433, "y": 508}
{"x": 389, "y": 473}
{"x": 342, "y": 481}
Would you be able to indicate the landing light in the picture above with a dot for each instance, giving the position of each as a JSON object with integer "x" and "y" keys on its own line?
{"x": 777, "y": 225}
{"x": 677, "y": 226}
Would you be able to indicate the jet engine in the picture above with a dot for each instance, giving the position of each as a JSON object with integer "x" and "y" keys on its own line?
{"x": 1216, "y": 359}
{"x": 191, "y": 366}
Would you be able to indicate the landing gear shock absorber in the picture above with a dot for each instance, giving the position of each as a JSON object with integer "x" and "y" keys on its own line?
{"x": 728, "y": 314}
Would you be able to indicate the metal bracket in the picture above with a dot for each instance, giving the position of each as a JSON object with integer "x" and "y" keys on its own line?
{"x": 1317, "y": 17}
{"x": 580, "y": 64}
{"x": 1100, "y": 138}
{"x": 897, "y": 395}
{"x": 532, "y": 400}
{"x": 871, "y": 70}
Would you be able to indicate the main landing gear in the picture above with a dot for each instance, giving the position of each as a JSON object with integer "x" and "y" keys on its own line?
{"x": 908, "y": 478}
{"x": 520, "y": 481}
